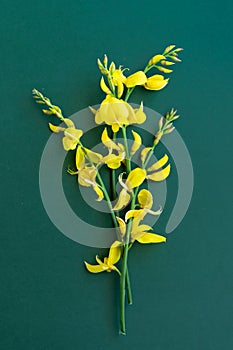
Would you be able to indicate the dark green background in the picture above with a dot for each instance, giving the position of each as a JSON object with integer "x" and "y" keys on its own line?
{"x": 182, "y": 290}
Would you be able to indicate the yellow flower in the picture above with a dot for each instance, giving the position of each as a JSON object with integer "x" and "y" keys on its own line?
{"x": 139, "y": 116}
{"x": 119, "y": 79}
{"x": 138, "y": 78}
{"x": 145, "y": 200}
{"x": 161, "y": 174}
{"x": 156, "y": 82}
{"x": 109, "y": 262}
{"x": 134, "y": 179}
{"x": 71, "y": 134}
{"x": 112, "y": 160}
{"x": 87, "y": 173}
{"x": 118, "y": 76}
{"x": 116, "y": 112}
{"x": 139, "y": 232}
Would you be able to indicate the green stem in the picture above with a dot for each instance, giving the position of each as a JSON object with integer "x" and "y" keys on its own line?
{"x": 114, "y": 193}
{"x": 124, "y": 271}
{"x": 127, "y": 158}
{"x": 128, "y": 93}
{"x": 128, "y": 286}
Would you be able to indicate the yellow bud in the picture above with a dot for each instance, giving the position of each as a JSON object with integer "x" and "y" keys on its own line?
{"x": 156, "y": 59}
{"x": 105, "y": 60}
{"x": 167, "y": 63}
{"x": 47, "y": 111}
{"x": 168, "y": 49}
{"x": 164, "y": 70}
{"x": 158, "y": 137}
{"x": 102, "y": 69}
{"x": 176, "y": 59}
{"x": 112, "y": 67}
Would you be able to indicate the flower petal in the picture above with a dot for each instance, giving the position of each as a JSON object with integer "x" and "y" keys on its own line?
{"x": 114, "y": 253}
{"x": 151, "y": 238}
{"x": 122, "y": 225}
{"x": 160, "y": 175}
{"x": 145, "y": 199}
{"x": 69, "y": 123}
{"x": 112, "y": 161}
{"x": 86, "y": 176}
{"x": 140, "y": 116}
{"x": 115, "y": 127}
{"x": 156, "y": 82}
{"x": 93, "y": 156}
{"x": 135, "y": 178}
{"x": 107, "y": 141}
{"x": 95, "y": 268}
{"x": 138, "y": 78}
{"x": 73, "y": 133}
{"x": 55, "y": 128}
{"x": 99, "y": 193}
{"x": 104, "y": 86}
{"x": 159, "y": 164}
{"x": 139, "y": 230}
{"x": 123, "y": 200}
{"x": 132, "y": 214}
{"x": 79, "y": 159}
{"x": 120, "y": 89}
{"x": 68, "y": 144}
{"x": 118, "y": 76}
{"x": 137, "y": 143}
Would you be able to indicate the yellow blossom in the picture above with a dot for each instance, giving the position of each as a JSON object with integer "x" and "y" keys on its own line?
{"x": 139, "y": 232}
{"x": 138, "y": 78}
{"x": 134, "y": 179}
{"x": 112, "y": 160}
{"x": 116, "y": 112}
{"x": 71, "y": 134}
{"x": 109, "y": 143}
{"x": 109, "y": 262}
{"x": 145, "y": 200}
{"x": 119, "y": 79}
{"x": 79, "y": 158}
{"x": 87, "y": 173}
{"x": 71, "y": 138}
{"x": 156, "y": 82}
{"x": 159, "y": 174}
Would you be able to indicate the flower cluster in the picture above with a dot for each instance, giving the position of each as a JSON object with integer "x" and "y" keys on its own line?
{"x": 133, "y": 203}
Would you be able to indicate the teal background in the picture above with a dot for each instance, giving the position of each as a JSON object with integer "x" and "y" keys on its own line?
{"x": 182, "y": 290}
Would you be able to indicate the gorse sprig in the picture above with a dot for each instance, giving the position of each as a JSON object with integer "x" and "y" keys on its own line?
{"x": 116, "y": 114}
